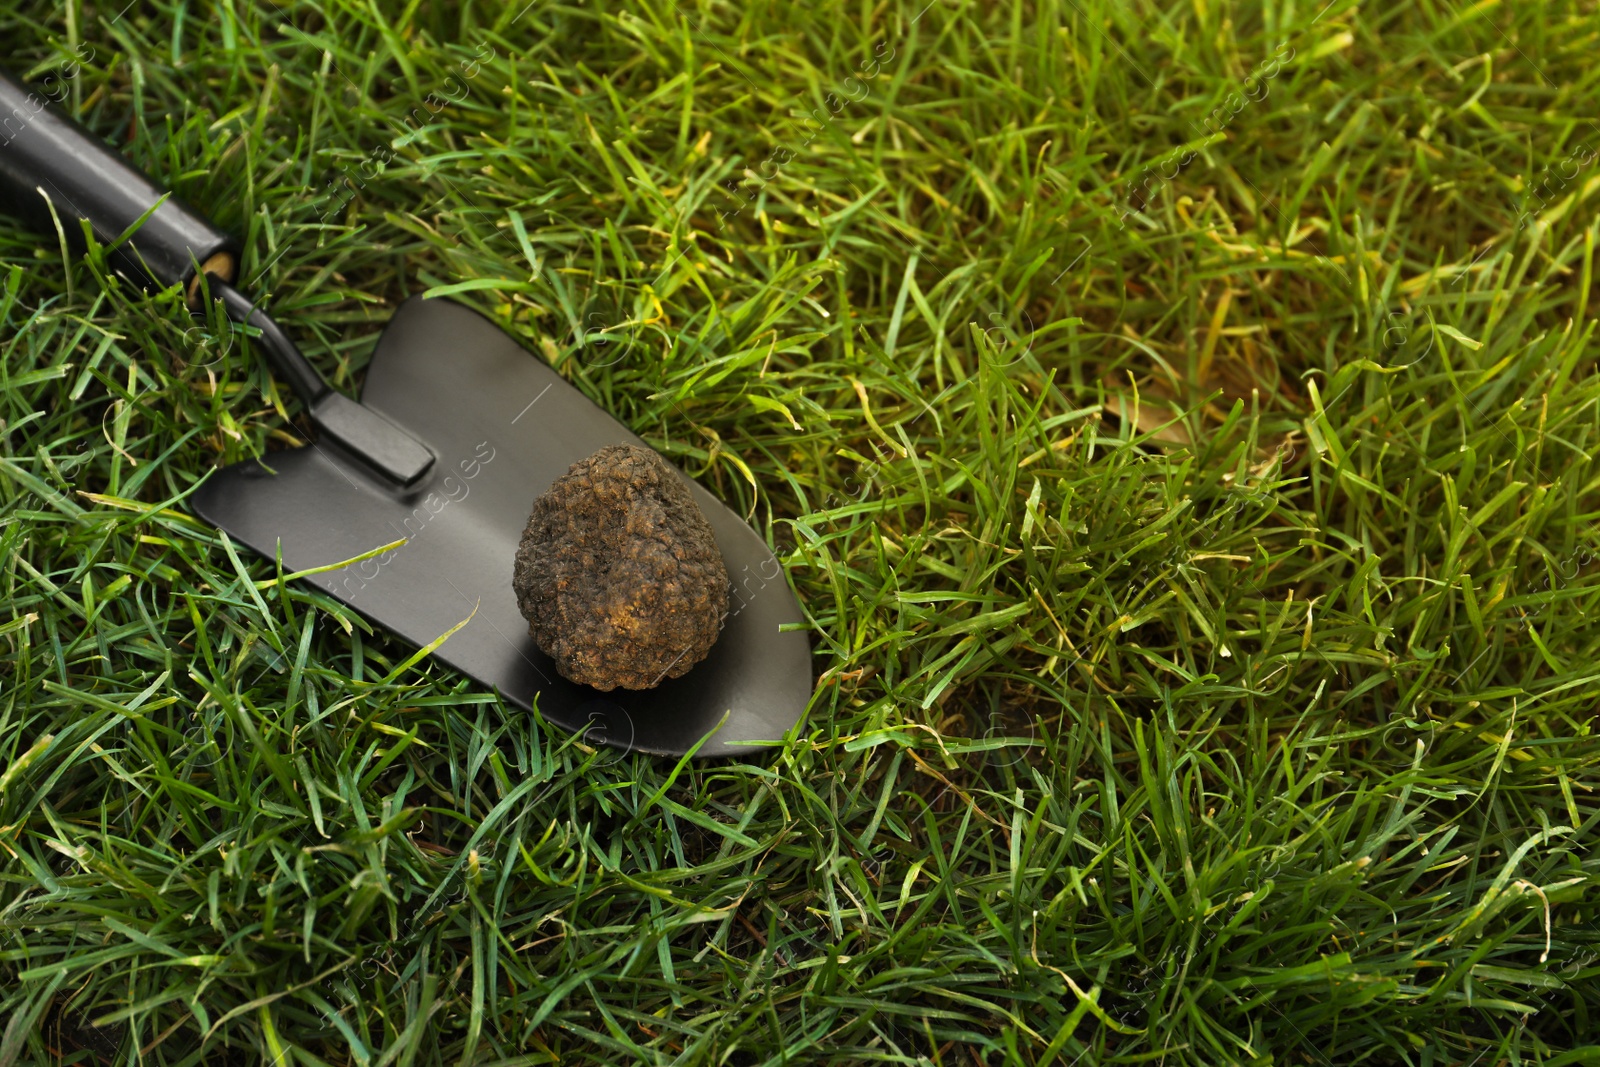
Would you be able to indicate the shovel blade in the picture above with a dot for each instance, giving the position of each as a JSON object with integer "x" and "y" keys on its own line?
{"x": 503, "y": 426}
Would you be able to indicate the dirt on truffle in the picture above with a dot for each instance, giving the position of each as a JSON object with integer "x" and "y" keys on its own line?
{"x": 619, "y": 574}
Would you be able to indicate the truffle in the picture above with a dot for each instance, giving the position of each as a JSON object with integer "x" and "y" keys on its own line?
{"x": 619, "y": 574}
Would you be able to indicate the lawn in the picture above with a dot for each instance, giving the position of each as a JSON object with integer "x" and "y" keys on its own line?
{"x": 1176, "y": 419}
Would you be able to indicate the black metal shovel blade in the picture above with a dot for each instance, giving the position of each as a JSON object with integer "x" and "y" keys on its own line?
{"x": 503, "y": 426}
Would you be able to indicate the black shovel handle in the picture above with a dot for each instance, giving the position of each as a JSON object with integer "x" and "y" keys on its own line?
{"x": 44, "y": 153}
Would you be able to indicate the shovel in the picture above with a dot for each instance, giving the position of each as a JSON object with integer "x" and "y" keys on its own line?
{"x": 457, "y": 430}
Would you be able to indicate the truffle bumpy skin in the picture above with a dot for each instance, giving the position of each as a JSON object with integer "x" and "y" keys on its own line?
{"x": 619, "y": 574}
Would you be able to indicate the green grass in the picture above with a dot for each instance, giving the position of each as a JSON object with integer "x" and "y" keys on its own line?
{"x": 1191, "y": 497}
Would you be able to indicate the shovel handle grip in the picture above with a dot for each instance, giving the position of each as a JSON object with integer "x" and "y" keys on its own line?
{"x": 45, "y": 154}
{"x": 47, "y": 159}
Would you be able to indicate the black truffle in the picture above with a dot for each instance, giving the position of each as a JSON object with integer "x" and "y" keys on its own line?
{"x": 619, "y": 574}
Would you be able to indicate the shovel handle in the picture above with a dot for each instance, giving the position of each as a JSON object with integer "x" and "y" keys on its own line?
{"x": 48, "y": 159}
{"x": 44, "y": 154}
